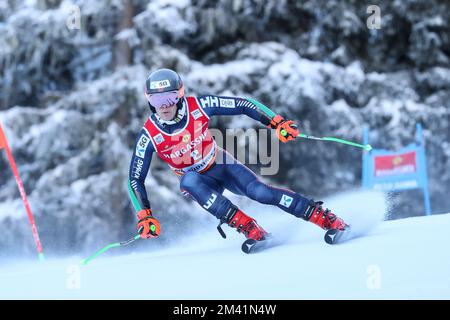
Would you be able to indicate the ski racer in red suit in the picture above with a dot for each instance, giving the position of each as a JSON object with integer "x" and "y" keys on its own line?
{"x": 177, "y": 131}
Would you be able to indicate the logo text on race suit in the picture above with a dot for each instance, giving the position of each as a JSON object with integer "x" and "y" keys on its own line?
{"x": 209, "y": 102}
{"x": 159, "y": 138}
{"x": 227, "y": 103}
{"x": 186, "y": 138}
{"x": 159, "y": 84}
{"x": 217, "y": 102}
{"x": 200, "y": 165}
{"x": 196, "y": 155}
{"x": 186, "y": 147}
{"x": 210, "y": 201}
{"x": 142, "y": 146}
{"x": 196, "y": 114}
{"x": 286, "y": 201}
{"x": 138, "y": 168}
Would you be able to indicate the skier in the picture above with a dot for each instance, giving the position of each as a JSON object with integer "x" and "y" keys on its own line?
{"x": 177, "y": 130}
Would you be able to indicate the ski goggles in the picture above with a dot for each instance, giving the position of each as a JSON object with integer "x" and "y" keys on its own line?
{"x": 163, "y": 99}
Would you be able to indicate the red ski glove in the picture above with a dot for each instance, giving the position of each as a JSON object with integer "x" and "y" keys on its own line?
{"x": 286, "y": 130}
{"x": 148, "y": 224}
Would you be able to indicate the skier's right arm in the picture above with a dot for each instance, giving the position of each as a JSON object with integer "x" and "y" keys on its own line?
{"x": 147, "y": 225}
{"x": 139, "y": 166}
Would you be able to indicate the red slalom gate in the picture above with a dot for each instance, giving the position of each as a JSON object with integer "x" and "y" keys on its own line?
{"x": 12, "y": 163}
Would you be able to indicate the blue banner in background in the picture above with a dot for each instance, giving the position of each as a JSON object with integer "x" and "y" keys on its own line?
{"x": 397, "y": 170}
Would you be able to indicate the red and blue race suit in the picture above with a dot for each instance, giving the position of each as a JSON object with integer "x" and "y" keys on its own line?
{"x": 205, "y": 170}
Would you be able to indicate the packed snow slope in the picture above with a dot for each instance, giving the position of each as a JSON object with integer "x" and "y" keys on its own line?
{"x": 401, "y": 259}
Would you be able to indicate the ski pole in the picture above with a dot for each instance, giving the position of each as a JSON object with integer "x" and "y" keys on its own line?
{"x": 272, "y": 114}
{"x": 111, "y": 245}
{"x": 366, "y": 147}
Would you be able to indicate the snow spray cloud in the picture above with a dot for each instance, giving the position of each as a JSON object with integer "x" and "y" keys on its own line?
{"x": 348, "y": 205}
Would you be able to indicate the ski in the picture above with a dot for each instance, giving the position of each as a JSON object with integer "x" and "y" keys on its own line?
{"x": 254, "y": 246}
{"x": 335, "y": 236}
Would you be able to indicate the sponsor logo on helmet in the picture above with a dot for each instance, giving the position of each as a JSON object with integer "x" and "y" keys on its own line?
{"x": 158, "y": 138}
{"x": 142, "y": 146}
{"x": 159, "y": 84}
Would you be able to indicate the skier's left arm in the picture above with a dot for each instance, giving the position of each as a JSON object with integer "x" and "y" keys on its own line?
{"x": 220, "y": 105}
{"x": 230, "y": 106}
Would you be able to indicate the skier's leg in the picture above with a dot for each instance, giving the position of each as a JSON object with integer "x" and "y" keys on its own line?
{"x": 206, "y": 191}
{"x": 245, "y": 181}
{"x": 242, "y": 180}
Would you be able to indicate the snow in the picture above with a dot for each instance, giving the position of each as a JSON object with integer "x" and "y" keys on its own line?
{"x": 400, "y": 259}
{"x": 221, "y": 72}
{"x": 162, "y": 15}
{"x": 12, "y": 209}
